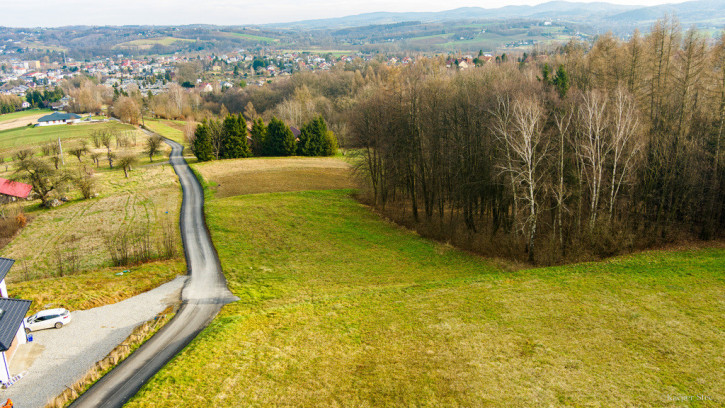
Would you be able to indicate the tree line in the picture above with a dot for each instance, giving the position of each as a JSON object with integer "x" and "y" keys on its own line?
{"x": 620, "y": 148}
{"x": 229, "y": 139}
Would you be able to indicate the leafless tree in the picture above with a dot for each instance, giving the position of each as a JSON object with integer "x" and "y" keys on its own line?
{"x": 593, "y": 145}
{"x": 528, "y": 149}
{"x": 625, "y": 142}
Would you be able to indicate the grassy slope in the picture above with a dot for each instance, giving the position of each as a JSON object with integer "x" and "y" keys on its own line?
{"x": 245, "y": 36}
{"x": 172, "y": 129}
{"x": 150, "y": 42}
{"x": 276, "y": 174}
{"x": 21, "y": 114}
{"x": 149, "y": 197}
{"x": 339, "y": 308}
{"x": 95, "y": 288}
{"x": 26, "y": 136}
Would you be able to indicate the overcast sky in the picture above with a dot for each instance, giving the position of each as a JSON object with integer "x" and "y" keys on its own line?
{"x": 52, "y": 13}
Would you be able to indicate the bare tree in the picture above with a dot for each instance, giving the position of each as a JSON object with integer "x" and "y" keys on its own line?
{"x": 41, "y": 176}
{"x": 126, "y": 162}
{"x": 528, "y": 149}
{"x": 78, "y": 152}
{"x": 153, "y": 145}
{"x": 563, "y": 123}
{"x": 127, "y": 110}
{"x": 593, "y": 146}
{"x": 502, "y": 127}
{"x": 625, "y": 141}
{"x": 96, "y": 156}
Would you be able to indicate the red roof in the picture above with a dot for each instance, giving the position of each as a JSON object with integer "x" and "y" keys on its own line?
{"x": 14, "y": 188}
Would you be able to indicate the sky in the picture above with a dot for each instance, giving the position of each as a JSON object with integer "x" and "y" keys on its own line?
{"x": 54, "y": 13}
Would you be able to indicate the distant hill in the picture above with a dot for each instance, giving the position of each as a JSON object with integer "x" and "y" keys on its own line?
{"x": 691, "y": 12}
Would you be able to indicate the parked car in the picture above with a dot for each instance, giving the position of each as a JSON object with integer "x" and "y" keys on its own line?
{"x": 46, "y": 319}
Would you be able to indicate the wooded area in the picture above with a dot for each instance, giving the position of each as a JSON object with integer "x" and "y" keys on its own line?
{"x": 620, "y": 150}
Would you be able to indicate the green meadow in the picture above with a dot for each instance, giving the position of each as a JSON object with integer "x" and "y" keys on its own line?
{"x": 341, "y": 308}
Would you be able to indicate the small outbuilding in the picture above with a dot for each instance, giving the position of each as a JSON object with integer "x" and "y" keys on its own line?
{"x": 13, "y": 190}
{"x": 58, "y": 118}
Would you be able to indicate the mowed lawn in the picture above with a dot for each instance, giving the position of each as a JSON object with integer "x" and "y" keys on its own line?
{"x": 340, "y": 308}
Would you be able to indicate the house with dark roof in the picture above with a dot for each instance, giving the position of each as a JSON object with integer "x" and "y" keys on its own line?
{"x": 5, "y": 265}
{"x": 12, "y": 332}
{"x": 58, "y": 118}
{"x": 13, "y": 190}
{"x": 12, "y": 322}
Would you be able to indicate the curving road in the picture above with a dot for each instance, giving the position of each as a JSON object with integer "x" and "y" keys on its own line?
{"x": 202, "y": 298}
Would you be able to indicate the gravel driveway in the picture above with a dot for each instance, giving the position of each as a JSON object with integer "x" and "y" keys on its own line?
{"x": 58, "y": 358}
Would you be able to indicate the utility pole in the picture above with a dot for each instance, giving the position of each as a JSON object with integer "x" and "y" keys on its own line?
{"x": 60, "y": 150}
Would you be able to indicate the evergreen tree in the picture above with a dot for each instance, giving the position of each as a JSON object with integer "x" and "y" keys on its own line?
{"x": 561, "y": 81}
{"x": 279, "y": 141}
{"x": 316, "y": 140}
{"x": 203, "y": 149}
{"x": 234, "y": 142}
{"x": 545, "y": 74}
{"x": 259, "y": 134}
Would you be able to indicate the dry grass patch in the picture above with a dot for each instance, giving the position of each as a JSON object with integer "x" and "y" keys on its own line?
{"x": 15, "y": 121}
{"x": 267, "y": 175}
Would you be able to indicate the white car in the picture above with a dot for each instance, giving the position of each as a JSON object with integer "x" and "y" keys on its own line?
{"x": 46, "y": 319}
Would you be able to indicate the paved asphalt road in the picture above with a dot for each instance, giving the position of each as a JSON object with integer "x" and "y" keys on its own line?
{"x": 203, "y": 296}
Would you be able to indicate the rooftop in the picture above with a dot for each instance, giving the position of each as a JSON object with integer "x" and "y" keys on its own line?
{"x": 12, "y": 313}
{"x": 14, "y": 188}
{"x": 5, "y": 265}
{"x": 58, "y": 116}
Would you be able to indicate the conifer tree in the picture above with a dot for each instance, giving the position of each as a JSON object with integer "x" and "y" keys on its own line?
{"x": 203, "y": 149}
{"x": 561, "y": 81}
{"x": 259, "y": 134}
{"x": 234, "y": 143}
{"x": 279, "y": 141}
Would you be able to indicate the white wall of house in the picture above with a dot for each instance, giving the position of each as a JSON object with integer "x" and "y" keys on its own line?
{"x": 3, "y": 289}
{"x": 20, "y": 336}
{"x": 4, "y": 369}
{"x": 58, "y": 122}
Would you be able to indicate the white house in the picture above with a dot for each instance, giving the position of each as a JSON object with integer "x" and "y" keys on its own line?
{"x": 12, "y": 324}
{"x": 58, "y": 118}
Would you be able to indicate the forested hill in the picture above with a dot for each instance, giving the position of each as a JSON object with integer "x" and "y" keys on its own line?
{"x": 706, "y": 12}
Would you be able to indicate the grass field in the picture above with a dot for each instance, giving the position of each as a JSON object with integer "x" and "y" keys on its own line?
{"x": 340, "y": 308}
{"x": 147, "y": 43}
{"x": 21, "y": 114}
{"x": 95, "y": 288}
{"x": 28, "y": 136}
{"x": 250, "y": 37}
{"x": 172, "y": 129}
{"x": 275, "y": 174}
{"x": 147, "y": 200}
